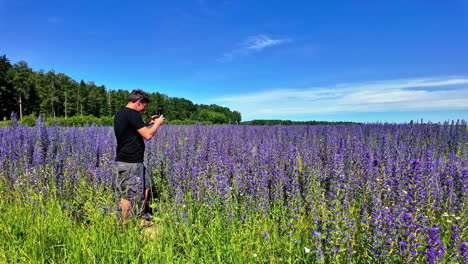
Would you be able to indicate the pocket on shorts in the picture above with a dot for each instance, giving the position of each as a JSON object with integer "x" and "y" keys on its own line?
{"x": 121, "y": 168}
{"x": 125, "y": 170}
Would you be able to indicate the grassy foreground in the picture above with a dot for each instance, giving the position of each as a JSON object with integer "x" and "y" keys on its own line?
{"x": 36, "y": 229}
{"x": 39, "y": 230}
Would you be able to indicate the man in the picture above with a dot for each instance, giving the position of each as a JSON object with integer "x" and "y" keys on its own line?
{"x": 130, "y": 131}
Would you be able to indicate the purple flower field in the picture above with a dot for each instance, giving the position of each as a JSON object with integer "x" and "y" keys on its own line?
{"x": 388, "y": 192}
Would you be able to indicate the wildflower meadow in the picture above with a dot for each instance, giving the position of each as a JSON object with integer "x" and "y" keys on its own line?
{"x": 370, "y": 193}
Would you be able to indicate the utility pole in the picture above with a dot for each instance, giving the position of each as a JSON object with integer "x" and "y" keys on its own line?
{"x": 65, "y": 104}
{"x": 21, "y": 108}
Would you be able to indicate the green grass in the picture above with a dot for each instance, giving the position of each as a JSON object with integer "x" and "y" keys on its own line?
{"x": 38, "y": 228}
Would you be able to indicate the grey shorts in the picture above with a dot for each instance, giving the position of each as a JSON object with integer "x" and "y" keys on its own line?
{"x": 132, "y": 179}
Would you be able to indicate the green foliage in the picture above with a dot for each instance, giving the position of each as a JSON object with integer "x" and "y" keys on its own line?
{"x": 178, "y": 109}
{"x": 7, "y": 96}
{"x": 107, "y": 121}
{"x": 289, "y": 122}
{"x": 222, "y": 115}
{"x": 212, "y": 116}
{"x": 29, "y": 120}
{"x": 77, "y": 121}
{"x": 189, "y": 122}
{"x": 59, "y": 121}
{"x": 5, "y": 123}
{"x": 55, "y": 95}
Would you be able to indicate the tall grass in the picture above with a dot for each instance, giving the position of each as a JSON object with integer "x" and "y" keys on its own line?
{"x": 39, "y": 229}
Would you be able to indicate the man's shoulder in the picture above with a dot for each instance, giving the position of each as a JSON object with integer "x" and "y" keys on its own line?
{"x": 126, "y": 111}
{"x": 127, "y": 115}
{"x": 119, "y": 113}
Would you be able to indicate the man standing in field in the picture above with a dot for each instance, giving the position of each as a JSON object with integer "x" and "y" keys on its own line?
{"x": 130, "y": 130}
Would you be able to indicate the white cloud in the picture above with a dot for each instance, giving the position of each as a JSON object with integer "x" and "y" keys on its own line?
{"x": 253, "y": 44}
{"x": 261, "y": 41}
{"x": 382, "y": 96}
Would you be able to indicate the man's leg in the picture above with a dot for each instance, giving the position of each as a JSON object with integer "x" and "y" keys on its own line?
{"x": 125, "y": 206}
{"x": 146, "y": 196}
{"x": 146, "y": 207}
{"x": 147, "y": 184}
{"x": 127, "y": 187}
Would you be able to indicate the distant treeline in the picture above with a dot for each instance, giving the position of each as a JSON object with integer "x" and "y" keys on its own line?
{"x": 49, "y": 94}
{"x": 82, "y": 121}
{"x": 289, "y": 122}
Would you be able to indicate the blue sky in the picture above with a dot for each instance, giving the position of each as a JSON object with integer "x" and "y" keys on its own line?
{"x": 361, "y": 61}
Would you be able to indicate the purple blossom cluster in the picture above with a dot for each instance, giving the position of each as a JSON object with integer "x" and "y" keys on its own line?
{"x": 396, "y": 192}
{"x": 56, "y": 158}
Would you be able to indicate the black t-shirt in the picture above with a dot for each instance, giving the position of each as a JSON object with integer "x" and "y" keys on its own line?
{"x": 130, "y": 144}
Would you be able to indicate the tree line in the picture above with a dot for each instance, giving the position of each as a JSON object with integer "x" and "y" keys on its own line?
{"x": 276, "y": 122}
{"x": 26, "y": 92}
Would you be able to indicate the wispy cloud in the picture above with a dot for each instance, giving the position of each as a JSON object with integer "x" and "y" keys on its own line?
{"x": 259, "y": 42}
{"x": 383, "y": 96}
{"x": 253, "y": 44}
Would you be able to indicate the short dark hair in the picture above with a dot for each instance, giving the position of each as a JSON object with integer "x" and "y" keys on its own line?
{"x": 139, "y": 95}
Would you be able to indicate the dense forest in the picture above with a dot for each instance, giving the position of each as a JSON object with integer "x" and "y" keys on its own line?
{"x": 268, "y": 122}
{"x": 48, "y": 94}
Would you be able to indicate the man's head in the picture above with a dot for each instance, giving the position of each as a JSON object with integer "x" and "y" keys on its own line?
{"x": 138, "y": 100}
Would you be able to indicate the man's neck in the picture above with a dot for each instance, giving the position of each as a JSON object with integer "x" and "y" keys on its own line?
{"x": 131, "y": 105}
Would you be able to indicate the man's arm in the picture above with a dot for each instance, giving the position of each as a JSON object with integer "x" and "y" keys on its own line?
{"x": 148, "y": 132}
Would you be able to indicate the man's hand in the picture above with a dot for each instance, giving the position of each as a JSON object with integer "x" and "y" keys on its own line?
{"x": 158, "y": 120}
{"x": 152, "y": 120}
